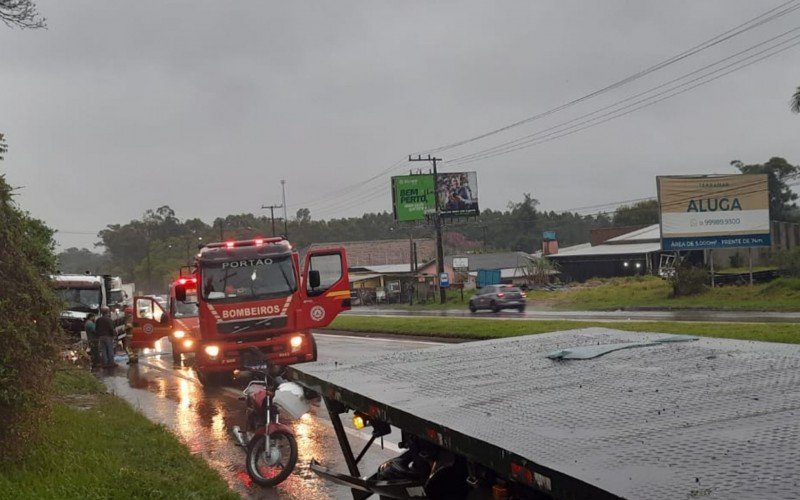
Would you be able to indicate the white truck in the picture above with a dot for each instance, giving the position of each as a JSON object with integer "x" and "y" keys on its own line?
{"x": 84, "y": 294}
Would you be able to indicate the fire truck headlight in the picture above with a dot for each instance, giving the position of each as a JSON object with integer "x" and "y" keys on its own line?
{"x": 296, "y": 341}
{"x": 187, "y": 343}
{"x": 212, "y": 351}
{"x": 179, "y": 334}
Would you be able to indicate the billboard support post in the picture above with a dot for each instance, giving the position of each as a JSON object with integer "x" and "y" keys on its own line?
{"x": 750, "y": 259}
{"x": 711, "y": 262}
{"x": 437, "y": 222}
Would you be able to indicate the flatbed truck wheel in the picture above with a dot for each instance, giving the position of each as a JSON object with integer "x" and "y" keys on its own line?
{"x": 211, "y": 379}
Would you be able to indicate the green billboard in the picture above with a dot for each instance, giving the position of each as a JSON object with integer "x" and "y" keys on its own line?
{"x": 413, "y": 197}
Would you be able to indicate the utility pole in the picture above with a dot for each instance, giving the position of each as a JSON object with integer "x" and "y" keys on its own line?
{"x": 283, "y": 202}
{"x": 272, "y": 214}
{"x": 437, "y": 222}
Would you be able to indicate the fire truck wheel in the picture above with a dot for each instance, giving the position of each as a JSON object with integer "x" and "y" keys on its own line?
{"x": 207, "y": 379}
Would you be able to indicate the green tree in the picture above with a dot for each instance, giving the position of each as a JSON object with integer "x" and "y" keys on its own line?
{"x": 74, "y": 260}
{"x": 781, "y": 197}
{"x": 643, "y": 213}
{"x": 29, "y": 312}
{"x": 21, "y": 14}
{"x": 794, "y": 103}
{"x": 3, "y": 146}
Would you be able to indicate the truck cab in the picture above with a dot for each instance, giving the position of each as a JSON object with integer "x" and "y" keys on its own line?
{"x": 184, "y": 323}
{"x": 253, "y": 293}
{"x": 84, "y": 294}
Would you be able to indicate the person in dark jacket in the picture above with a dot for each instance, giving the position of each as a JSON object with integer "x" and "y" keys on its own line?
{"x": 106, "y": 337}
{"x": 91, "y": 337}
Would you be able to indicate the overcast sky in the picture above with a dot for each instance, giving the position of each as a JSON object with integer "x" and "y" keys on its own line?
{"x": 122, "y": 106}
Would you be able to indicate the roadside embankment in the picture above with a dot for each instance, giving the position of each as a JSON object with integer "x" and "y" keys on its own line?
{"x": 480, "y": 329}
{"x": 97, "y": 446}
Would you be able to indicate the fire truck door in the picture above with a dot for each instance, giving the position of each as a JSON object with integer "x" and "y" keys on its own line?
{"x": 327, "y": 288}
{"x": 150, "y": 322}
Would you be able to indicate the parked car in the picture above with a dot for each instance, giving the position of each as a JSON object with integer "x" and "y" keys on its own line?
{"x": 497, "y": 297}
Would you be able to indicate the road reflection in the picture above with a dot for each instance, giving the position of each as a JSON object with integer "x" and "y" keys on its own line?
{"x": 201, "y": 419}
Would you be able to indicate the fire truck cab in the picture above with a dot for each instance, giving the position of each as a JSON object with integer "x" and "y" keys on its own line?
{"x": 253, "y": 293}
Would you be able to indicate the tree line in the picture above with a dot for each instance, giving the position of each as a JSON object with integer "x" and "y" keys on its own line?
{"x": 150, "y": 251}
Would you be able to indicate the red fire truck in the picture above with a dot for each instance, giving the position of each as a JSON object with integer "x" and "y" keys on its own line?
{"x": 184, "y": 317}
{"x": 251, "y": 293}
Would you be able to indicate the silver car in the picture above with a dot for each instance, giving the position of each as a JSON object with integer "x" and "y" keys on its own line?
{"x": 497, "y": 297}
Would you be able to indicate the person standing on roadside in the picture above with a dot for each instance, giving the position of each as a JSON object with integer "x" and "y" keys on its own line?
{"x": 91, "y": 337}
{"x": 133, "y": 354}
{"x": 106, "y": 337}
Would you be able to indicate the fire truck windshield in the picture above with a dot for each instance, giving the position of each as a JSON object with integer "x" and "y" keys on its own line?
{"x": 248, "y": 279}
{"x": 186, "y": 309}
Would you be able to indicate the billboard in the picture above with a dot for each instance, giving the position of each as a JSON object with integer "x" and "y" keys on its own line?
{"x": 713, "y": 211}
{"x": 457, "y": 193}
{"x": 413, "y": 197}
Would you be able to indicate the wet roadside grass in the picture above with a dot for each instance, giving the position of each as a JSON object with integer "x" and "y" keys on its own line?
{"x": 782, "y": 294}
{"x": 641, "y": 292}
{"x": 481, "y": 329}
{"x": 97, "y": 446}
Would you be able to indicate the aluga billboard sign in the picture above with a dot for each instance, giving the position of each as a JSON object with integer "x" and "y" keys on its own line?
{"x": 714, "y": 211}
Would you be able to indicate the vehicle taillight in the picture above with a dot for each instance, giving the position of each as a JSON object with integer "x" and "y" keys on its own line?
{"x": 501, "y": 294}
{"x": 259, "y": 242}
{"x": 229, "y": 244}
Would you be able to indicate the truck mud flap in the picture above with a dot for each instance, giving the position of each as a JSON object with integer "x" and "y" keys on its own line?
{"x": 391, "y": 489}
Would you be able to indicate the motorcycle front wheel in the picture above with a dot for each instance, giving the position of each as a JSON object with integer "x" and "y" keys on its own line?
{"x": 271, "y": 468}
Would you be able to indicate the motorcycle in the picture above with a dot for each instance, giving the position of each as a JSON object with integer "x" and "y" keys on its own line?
{"x": 270, "y": 445}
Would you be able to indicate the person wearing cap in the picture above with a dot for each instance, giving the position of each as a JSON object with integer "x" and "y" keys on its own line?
{"x": 106, "y": 337}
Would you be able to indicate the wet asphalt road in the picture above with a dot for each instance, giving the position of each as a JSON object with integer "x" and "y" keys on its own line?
{"x": 201, "y": 418}
{"x": 533, "y": 314}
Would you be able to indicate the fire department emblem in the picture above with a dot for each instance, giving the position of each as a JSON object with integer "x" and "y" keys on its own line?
{"x": 147, "y": 328}
{"x": 317, "y": 313}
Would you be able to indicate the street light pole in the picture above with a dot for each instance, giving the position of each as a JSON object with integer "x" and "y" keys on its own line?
{"x": 283, "y": 202}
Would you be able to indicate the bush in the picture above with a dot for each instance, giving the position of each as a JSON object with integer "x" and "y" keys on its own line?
{"x": 789, "y": 262}
{"x": 29, "y": 330}
{"x": 688, "y": 280}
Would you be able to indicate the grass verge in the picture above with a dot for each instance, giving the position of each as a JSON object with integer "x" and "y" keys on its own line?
{"x": 479, "y": 329}
{"x": 96, "y": 446}
{"x": 649, "y": 291}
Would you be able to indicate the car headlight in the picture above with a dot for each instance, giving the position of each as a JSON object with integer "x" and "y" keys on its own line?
{"x": 188, "y": 343}
{"x": 296, "y": 341}
{"x": 212, "y": 350}
{"x": 178, "y": 334}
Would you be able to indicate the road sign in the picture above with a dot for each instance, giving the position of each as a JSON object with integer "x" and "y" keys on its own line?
{"x": 460, "y": 263}
{"x": 444, "y": 280}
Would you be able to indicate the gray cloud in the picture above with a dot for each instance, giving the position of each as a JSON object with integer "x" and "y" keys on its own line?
{"x": 123, "y": 106}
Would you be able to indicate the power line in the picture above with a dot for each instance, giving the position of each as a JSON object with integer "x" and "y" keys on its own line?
{"x": 722, "y": 37}
{"x": 616, "y": 113}
{"x": 640, "y": 94}
{"x": 763, "y": 18}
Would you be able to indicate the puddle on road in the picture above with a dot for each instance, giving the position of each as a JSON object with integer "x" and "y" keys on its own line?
{"x": 201, "y": 418}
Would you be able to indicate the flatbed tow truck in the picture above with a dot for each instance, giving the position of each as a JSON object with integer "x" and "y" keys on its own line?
{"x": 591, "y": 413}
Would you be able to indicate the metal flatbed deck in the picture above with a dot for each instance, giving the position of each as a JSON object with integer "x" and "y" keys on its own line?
{"x": 711, "y": 418}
